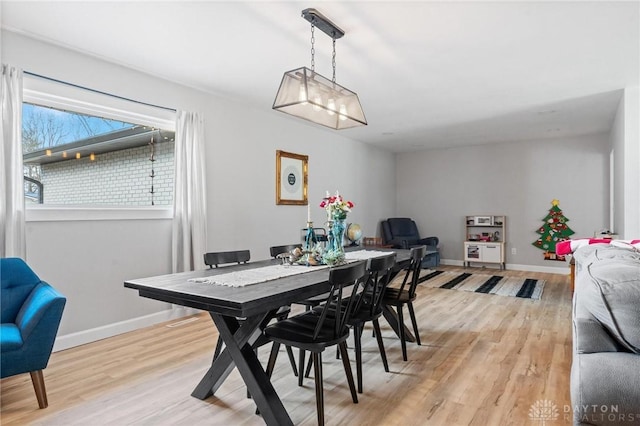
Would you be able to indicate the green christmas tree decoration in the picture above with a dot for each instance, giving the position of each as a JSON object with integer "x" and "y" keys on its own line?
{"x": 554, "y": 230}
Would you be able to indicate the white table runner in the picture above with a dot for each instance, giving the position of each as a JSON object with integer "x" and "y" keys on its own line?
{"x": 272, "y": 272}
{"x": 365, "y": 254}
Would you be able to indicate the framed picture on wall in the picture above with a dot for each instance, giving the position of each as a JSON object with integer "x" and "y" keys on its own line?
{"x": 291, "y": 178}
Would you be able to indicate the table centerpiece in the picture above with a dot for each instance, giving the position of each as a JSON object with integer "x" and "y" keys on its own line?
{"x": 337, "y": 209}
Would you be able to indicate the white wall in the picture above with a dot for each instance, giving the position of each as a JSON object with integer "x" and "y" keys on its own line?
{"x": 632, "y": 160}
{"x": 89, "y": 259}
{"x": 438, "y": 188}
{"x": 625, "y": 143}
{"x": 617, "y": 147}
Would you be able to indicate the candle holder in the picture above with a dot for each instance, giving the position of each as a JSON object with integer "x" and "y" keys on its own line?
{"x": 310, "y": 239}
{"x": 310, "y": 247}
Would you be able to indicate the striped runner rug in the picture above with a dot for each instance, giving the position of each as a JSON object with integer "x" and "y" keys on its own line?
{"x": 527, "y": 288}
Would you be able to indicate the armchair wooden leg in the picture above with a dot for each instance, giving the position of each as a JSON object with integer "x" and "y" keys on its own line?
{"x": 38, "y": 385}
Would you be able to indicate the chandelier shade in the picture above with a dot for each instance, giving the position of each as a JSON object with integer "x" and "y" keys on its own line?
{"x": 306, "y": 94}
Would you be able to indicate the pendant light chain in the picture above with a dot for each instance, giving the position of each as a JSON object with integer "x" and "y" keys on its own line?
{"x": 313, "y": 49}
{"x": 152, "y": 158}
{"x": 333, "y": 60}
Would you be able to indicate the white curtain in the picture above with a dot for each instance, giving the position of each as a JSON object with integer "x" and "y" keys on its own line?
{"x": 189, "y": 239}
{"x": 12, "y": 225}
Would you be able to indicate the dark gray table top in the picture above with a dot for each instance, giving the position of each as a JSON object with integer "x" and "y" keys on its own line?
{"x": 237, "y": 301}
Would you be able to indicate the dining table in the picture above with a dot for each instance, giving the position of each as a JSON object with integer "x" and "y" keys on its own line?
{"x": 241, "y": 312}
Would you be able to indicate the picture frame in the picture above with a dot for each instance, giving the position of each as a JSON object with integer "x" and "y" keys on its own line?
{"x": 291, "y": 178}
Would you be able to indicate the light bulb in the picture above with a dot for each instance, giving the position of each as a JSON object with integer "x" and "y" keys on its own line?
{"x": 331, "y": 105}
{"x": 317, "y": 101}
{"x": 302, "y": 95}
{"x": 343, "y": 112}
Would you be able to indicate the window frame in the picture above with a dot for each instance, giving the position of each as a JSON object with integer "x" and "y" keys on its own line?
{"x": 41, "y": 91}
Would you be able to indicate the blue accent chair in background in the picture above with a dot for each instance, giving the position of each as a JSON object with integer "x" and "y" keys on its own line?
{"x": 31, "y": 314}
{"x": 402, "y": 232}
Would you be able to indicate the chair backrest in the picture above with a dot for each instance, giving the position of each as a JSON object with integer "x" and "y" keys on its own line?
{"x": 221, "y": 257}
{"x": 378, "y": 275}
{"x": 400, "y": 231}
{"x": 413, "y": 271}
{"x": 35, "y": 308}
{"x": 276, "y": 250}
{"x": 17, "y": 282}
{"x": 339, "y": 278}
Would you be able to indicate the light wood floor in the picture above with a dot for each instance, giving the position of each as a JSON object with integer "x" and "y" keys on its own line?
{"x": 484, "y": 360}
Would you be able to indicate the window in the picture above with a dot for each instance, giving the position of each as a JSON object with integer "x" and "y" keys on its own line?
{"x": 79, "y": 150}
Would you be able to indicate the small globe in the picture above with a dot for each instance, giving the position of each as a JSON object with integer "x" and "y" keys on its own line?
{"x": 354, "y": 232}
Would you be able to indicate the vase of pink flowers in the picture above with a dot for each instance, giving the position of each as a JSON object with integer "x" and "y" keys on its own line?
{"x": 337, "y": 209}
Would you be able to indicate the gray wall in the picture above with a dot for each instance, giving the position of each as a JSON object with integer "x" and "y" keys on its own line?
{"x": 88, "y": 260}
{"x": 438, "y": 188}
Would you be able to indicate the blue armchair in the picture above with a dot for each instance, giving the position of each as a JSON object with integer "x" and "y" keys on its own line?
{"x": 402, "y": 232}
{"x": 31, "y": 314}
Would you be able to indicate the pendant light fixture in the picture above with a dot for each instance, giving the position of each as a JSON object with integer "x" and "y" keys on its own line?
{"x": 306, "y": 94}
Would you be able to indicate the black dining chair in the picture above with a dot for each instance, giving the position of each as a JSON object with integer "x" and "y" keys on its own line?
{"x": 317, "y": 329}
{"x": 287, "y": 248}
{"x": 368, "y": 308}
{"x": 307, "y": 303}
{"x": 216, "y": 259}
{"x": 398, "y": 297}
{"x": 280, "y": 315}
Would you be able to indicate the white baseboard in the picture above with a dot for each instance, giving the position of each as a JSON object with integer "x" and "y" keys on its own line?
{"x": 87, "y": 336}
{"x": 563, "y": 270}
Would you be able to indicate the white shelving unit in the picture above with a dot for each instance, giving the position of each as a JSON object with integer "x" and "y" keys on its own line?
{"x": 485, "y": 239}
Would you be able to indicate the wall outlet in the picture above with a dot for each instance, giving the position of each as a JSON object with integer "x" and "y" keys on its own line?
{"x": 513, "y": 250}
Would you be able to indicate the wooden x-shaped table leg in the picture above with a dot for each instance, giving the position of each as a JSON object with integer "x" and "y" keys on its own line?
{"x": 239, "y": 338}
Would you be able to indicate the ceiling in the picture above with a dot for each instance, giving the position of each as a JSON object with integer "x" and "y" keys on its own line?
{"x": 428, "y": 74}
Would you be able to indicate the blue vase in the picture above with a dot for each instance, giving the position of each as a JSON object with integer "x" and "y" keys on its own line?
{"x": 334, "y": 254}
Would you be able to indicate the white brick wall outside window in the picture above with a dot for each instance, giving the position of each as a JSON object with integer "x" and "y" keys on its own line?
{"x": 113, "y": 178}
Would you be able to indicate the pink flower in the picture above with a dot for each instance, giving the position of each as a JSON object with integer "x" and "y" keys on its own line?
{"x": 336, "y": 207}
